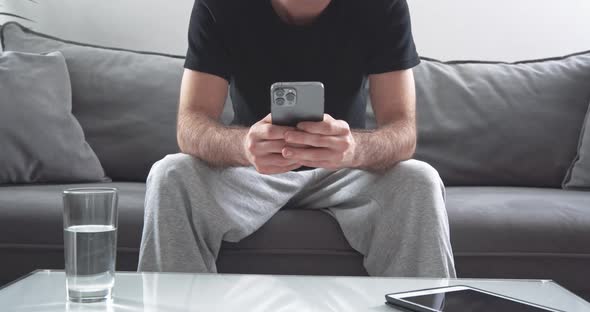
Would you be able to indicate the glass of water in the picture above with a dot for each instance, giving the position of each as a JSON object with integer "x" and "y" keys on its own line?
{"x": 90, "y": 239}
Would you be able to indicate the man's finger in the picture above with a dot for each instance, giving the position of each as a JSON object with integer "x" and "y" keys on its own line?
{"x": 270, "y": 132}
{"x": 328, "y": 117}
{"x": 267, "y": 119}
{"x": 275, "y": 160}
{"x": 309, "y": 154}
{"x": 326, "y": 127}
{"x": 278, "y": 169}
{"x": 268, "y": 147}
{"x": 317, "y": 140}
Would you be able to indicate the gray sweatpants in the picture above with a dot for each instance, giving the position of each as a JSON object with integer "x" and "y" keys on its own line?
{"x": 396, "y": 219}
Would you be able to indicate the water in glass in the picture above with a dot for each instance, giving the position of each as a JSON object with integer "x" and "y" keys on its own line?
{"x": 90, "y": 261}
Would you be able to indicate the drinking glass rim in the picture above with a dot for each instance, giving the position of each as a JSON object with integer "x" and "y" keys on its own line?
{"x": 90, "y": 190}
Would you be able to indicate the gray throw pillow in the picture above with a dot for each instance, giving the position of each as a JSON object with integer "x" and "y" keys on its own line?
{"x": 578, "y": 176}
{"x": 41, "y": 140}
{"x": 502, "y": 124}
{"x": 126, "y": 102}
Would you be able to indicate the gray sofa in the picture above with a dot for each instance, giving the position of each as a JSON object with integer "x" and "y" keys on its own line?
{"x": 501, "y": 135}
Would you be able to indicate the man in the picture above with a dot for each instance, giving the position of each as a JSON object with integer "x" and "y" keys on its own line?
{"x": 230, "y": 180}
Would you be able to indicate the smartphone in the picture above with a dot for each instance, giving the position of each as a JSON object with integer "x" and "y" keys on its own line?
{"x": 460, "y": 299}
{"x": 294, "y": 102}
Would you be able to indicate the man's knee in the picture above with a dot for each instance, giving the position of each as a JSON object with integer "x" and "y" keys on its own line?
{"x": 173, "y": 167}
{"x": 416, "y": 174}
{"x": 422, "y": 189}
{"x": 170, "y": 179}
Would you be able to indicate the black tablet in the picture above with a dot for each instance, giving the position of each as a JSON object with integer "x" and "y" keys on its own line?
{"x": 460, "y": 299}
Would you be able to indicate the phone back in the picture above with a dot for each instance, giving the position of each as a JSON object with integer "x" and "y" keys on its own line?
{"x": 293, "y": 102}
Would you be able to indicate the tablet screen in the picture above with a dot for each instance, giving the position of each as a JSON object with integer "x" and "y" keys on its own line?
{"x": 470, "y": 300}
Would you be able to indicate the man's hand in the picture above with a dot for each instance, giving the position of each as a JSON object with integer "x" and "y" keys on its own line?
{"x": 330, "y": 144}
{"x": 264, "y": 145}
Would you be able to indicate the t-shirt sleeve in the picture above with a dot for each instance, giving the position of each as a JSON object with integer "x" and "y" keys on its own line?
{"x": 392, "y": 44}
{"x": 206, "y": 49}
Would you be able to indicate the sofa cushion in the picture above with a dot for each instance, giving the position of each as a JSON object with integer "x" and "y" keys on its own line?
{"x": 41, "y": 140}
{"x": 578, "y": 176}
{"x": 499, "y": 124}
{"x": 293, "y": 241}
{"x": 40, "y": 207}
{"x": 514, "y": 221}
{"x": 482, "y": 219}
{"x": 501, "y": 232}
{"x": 126, "y": 102}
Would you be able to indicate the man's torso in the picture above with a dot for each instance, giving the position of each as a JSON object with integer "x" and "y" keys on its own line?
{"x": 263, "y": 50}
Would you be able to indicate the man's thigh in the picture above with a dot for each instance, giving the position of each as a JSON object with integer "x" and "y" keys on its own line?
{"x": 239, "y": 197}
{"x": 344, "y": 188}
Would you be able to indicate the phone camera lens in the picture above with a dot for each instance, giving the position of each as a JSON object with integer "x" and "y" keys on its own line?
{"x": 290, "y": 96}
{"x": 280, "y": 101}
{"x": 279, "y": 93}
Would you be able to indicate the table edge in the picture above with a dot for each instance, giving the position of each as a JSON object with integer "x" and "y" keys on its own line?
{"x": 302, "y": 275}
{"x": 21, "y": 278}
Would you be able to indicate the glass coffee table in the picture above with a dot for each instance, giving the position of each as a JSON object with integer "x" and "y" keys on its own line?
{"x": 45, "y": 290}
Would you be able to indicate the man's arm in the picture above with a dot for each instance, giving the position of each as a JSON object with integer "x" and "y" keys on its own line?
{"x": 199, "y": 133}
{"x": 335, "y": 146}
{"x": 393, "y": 97}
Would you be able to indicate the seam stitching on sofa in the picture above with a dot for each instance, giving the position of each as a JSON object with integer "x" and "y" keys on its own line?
{"x": 541, "y": 60}
{"x": 307, "y": 250}
{"x": 54, "y": 247}
{"x": 452, "y": 62}
{"x": 2, "y": 36}
{"x": 568, "y": 175}
{"x": 135, "y": 249}
{"x": 299, "y": 251}
{"x": 523, "y": 254}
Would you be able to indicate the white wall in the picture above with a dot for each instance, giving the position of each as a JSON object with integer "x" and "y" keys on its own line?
{"x": 150, "y": 25}
{"x": 446, "y": 29}
{"x": 507, "y": 30}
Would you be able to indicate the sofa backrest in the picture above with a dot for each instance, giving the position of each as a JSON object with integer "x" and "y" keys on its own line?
{"x": 502, "y": 124}
{"x": 478, "y": 123}
{"x": 126, "y": 102}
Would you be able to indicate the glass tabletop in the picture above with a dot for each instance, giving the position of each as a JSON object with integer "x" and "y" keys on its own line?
{"x": 44, "y": 290}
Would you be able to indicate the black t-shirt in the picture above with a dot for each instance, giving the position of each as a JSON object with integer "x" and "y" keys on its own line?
{"x": 249, "y": 45}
